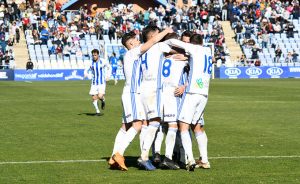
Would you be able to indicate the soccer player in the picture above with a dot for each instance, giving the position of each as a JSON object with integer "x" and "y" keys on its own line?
{"x": 196, "y": 93}
{"x": 172, "y": 77}
{"x": 114, "y": 66}
{"x": 151, "y": 64}
{"x": 99, "y": 69}
{"x": 133, "y": 111}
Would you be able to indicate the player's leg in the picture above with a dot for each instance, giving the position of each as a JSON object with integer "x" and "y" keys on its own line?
{"x": 200, "y": 134}
{"x": 114, "y": 72}
{"x": 168, "y": 163}
{"x": 93, "y": 92}
{"x": 170, "y": 139}
{"x": 101, "y": 93}
{"x": 156, "y": 146}
{"x": 152, "y": 106}
{"x": 118, "y": 141}
{"x": 134, "y": 115}
{"x": 142, "y": 134}
{"x": 185, "y": 117}
{"x": 202, "y": 141}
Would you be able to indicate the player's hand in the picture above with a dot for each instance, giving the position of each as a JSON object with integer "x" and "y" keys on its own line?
{"x": 179, "y": 90}
{"x": 179, "y": 57}
{"x": 85, "y": 76}
{"x": 169, "y": 30}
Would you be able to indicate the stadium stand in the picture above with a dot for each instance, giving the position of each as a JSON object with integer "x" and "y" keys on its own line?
{"x": 64, "y": 39}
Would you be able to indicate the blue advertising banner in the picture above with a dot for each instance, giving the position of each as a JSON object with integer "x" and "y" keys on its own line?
{"x": 41, "y": 75}
{"x": 45, "y": 75}
{"x": 6, "y": 75}
{"x": 259, "y": 72}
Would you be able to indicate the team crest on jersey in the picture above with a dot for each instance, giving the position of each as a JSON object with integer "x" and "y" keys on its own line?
{"x": 199, "y": 83}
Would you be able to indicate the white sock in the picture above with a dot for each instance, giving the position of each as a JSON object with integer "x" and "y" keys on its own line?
{"x": 187, "y": 145}
{"x": 130, "y": 134}
{"x": 118, "y": 141}
{"x": 202, "y": 145}
{"x": 142, "y": 136}
{"x": 170, "y": 142}
{"x": 148, "y": 139}
{"x": 95, "y": 103}
{"x": 158, "y": 140}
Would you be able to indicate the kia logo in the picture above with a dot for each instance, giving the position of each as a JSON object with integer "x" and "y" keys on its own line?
{"x": 274, "y": 71}
{"x": 232, "y": 72}
{"x": 253, "y": 71}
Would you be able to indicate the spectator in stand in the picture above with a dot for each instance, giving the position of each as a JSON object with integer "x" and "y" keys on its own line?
{"x": 277, "y": 27}
{"x": 289, "y": 28}
{"x": 289, "y": 58}
{"x": 224, "y": 12}
{"x": 59, "y": 51}
{"x": 112, "y": 33}
{"x": 255, "y": 51}
{"x": 29, "y": 65}
{"x": 43, "y": 9}
{"x": 295, "y": 56}
{"x": 265, "y": 39}
{"x": 278, "y": 54}
{"x": 257, "y": 63}
{"x": 44, "y": 36}
{"x": 238, "y": 31}
{"x": 17, "y": 35}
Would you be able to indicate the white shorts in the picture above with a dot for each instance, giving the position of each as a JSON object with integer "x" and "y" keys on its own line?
{"x": 151, "y": 101}
{"x": 191, "y": 108}
{"x": 170, "y": 104}
{"x": 97, "y": 89}
{"x": 132, "y": 107}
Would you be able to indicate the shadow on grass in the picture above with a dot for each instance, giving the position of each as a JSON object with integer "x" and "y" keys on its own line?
{"x": 90, "y": 114}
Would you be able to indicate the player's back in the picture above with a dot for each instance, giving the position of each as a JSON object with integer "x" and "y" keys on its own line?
{"x": 151, "y": 65}
{"x": 172, "y": 72}
{"x": 200, "y": 69}
{"x": 132, "y": 71}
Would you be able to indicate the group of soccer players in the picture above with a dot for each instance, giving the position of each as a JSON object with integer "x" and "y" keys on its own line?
{"x": 166, "y": 83}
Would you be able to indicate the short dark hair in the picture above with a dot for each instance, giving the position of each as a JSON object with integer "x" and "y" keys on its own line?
{"x": 95, "y": 51}
{"x": 127, "y": 36}
{"x": 197, "y": 39}
{"x": 148, "y": 30}
{"x": 170, "y": 36}
{"x": 187, "y": 34}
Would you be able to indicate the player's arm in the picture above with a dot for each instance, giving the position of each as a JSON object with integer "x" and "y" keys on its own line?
{"x": 107, "y": 69}
{"x": 146, "y": 46}
{"x": 86, "y": 71}
{"x": 177, "y": 43}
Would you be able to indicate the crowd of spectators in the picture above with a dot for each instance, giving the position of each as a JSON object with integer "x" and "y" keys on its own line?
{"x": 10, "y": 27}
{"x": 45, "y": 24}
{"x": 261, "y": 20}
{"x": 61, "y": 31}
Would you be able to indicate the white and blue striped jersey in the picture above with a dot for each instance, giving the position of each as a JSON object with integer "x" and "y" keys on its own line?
{"x": 132, "y": 70}
{"x": 200, "y": 66}
{"x": 172, "y": 72}
{"x": 99, "y": 70}
{"x": 152, "y": 64}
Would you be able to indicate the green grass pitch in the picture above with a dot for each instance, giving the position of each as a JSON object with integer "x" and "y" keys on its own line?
{"x": 50, "y": 121}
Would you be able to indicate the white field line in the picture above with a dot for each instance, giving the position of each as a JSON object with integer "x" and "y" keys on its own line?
{"x": 103, "y": 160}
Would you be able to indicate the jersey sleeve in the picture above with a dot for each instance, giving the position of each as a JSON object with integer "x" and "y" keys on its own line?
{"x": 87, "y": 68}
{"x": 163, "y": 47}
{"x": 136, "y": 52}
{"x": 177, "y": 43}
